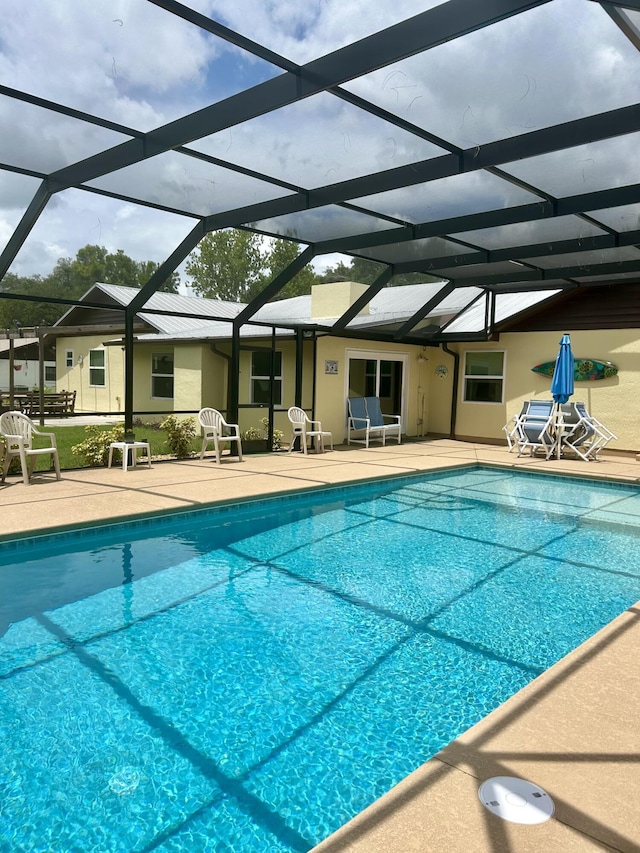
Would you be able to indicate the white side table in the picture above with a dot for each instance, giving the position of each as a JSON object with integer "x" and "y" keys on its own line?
{"x": 125, "y": 447}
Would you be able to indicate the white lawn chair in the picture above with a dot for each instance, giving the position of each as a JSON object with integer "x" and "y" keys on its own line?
{"x": 511, "y": 427}
{"x": 215, "y": 429}
{"x": 306, "y": 429}
{"x": 17, "y": 431}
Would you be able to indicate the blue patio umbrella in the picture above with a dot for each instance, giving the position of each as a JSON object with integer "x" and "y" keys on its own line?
{"x": 562, "y": 382}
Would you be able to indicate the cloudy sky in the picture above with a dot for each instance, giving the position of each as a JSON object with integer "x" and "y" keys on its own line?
{"x": 131, "y": 62}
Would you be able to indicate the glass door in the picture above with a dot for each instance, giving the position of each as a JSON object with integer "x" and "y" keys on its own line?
{"x": 377, "y": 375}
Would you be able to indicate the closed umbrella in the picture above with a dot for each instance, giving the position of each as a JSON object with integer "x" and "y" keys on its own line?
{"x": 562, "y": 385}
{"x": 562, "y": 382}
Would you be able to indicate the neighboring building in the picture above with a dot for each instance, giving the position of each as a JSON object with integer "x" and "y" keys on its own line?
{"x": 181, "y": 363}
{"x": 26, "y": 365}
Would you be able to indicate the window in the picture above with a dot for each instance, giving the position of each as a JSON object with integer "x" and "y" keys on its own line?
{"x": 50, "y": 373}
{"x": 162, "y": 374}
{"x": 97, "y": 368}
{"x": 483, "y": 377}
{"x": 260, "y": 382}
{"x": 68, "y": 358}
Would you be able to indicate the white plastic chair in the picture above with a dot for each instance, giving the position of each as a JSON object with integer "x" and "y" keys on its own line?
{"x": 215, "y": 429}
{"x": 18, "y": 430}
{"x": 302, "y": 426}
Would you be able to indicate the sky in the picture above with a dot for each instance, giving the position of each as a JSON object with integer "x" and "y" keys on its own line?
{"x": 133, "y": 63}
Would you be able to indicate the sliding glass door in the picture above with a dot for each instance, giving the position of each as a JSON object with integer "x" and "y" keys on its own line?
{"x": 378, "y": 375}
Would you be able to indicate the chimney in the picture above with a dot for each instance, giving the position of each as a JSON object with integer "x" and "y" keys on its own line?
{"x": 330, "y": 301}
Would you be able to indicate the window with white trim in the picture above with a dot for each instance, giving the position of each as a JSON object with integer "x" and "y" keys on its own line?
{"x": 483, "y": 376}
{"x": 97, "y": 368}
{"x": 68, "y": 358}
{"x": 260, "y": 377}
{"x": 50, "y": 373}
{"x": 162, "y": 375}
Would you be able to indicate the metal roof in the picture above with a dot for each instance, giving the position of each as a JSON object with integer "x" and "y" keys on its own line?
{"x": 491, "y": 144}
{"x": 388, "y": 309}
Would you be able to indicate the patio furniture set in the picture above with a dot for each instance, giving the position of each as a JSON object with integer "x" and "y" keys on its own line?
{"x": 557, "y": 429}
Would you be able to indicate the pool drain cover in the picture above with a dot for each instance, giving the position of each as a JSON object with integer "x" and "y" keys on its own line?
{"x": 516, "y": 800}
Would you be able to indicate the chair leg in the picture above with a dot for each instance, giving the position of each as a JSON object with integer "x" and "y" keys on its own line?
{"x": 204, "y": 445}
{"x": 24, "y": 466}
{"x": 239, "y": 450}
{"x": 217, "y": 448}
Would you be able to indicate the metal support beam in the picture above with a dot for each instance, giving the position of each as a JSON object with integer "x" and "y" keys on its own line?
{"x": 128, "y": 373}
{"x": 167, "y": 267}
{"x": 29, "y": 219}
{"x": 233, "y": 394}
{"x": 428, "y": 29}
{"x": 406, "y": 327}
{"x": 299, "y": 363}
{"x": 275, "y": 286}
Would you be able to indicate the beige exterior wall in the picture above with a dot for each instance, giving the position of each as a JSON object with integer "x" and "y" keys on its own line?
{"x": 200, "y": 379}
{"x": 332, "y": 388}
{"x": 615, "y": 401}
{"x": 90, "y": 398}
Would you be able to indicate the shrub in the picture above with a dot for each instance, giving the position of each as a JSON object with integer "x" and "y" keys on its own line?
{"x": 180, "y": 434}
{"x": 95, "y": 448}
{"x": 256, "y": 434}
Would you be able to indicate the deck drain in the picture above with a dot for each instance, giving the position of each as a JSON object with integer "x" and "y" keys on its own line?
{"x": 516, "y": 800}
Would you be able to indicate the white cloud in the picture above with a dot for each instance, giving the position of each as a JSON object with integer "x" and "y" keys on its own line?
{"x": 136, "y": 64}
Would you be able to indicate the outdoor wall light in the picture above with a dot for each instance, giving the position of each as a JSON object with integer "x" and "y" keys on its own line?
{"x": 80, "y": 360}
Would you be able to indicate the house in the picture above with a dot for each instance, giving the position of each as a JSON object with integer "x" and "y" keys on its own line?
{"x": 20, "y": 365}
{"x": 457, "y": 383}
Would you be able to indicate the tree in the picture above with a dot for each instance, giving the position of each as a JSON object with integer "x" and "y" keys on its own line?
{"x": 94, "y": 264}
{"x": 281, "y": 254}
{"x": 366, "y": 272}
{"x": 71, "y": 278}
{"x": 237, "y": 265}
{"x": 16, "y": 313}
{"x": 146, "y": 270}
{"x": 227, "y": 265}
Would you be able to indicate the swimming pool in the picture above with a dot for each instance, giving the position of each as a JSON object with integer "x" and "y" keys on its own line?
{"x": 249, "y": 679}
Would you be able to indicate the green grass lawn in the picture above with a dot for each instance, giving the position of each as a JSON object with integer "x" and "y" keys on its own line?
{"x": 69, "y": 436}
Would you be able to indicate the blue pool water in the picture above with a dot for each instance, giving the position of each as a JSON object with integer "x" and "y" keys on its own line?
{"x": 247, "y": 680}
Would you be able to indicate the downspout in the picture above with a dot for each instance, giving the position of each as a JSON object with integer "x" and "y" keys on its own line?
{"x": 454, "y": 398}
{"x": 315, "y": 367}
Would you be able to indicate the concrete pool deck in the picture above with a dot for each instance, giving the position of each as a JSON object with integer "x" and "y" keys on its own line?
{"x": 574, "y": 731}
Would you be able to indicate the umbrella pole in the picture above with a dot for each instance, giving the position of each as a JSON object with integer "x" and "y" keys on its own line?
{"x": 558, "y": 427}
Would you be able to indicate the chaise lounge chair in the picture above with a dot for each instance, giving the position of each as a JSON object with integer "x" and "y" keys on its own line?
{"x": 535, "y": 429}
{"x": 511, "y": 427}
{"x": 583, "y": 434}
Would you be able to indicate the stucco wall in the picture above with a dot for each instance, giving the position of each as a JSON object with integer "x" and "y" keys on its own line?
{"x": 332, "y": 391}
{"x": 90, "y": 398}
{"x": 615, "y": 401}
